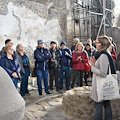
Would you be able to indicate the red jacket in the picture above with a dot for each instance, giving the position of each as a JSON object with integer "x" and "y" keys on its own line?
{"x": 79, "y": 65}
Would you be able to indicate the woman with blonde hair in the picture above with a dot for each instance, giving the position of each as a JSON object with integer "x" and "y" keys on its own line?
{"x": 79, "y": 59}
{"x": 10, "y": 64}
{"x": 99, "y": 67}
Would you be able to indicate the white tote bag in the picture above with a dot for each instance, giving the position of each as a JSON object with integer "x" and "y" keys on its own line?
{"x": 107, "y": 87}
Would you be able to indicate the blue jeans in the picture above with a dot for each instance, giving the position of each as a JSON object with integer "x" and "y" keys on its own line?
{"x": 24, "y": 83}
{"x": 99, "y": 110}
{"x": 15, "y": 81}
{"x": 67, "y": 83}
{"x": 42, "y": 74}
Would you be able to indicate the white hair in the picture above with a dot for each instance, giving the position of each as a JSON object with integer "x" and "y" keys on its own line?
{"x": 76, "y": 39}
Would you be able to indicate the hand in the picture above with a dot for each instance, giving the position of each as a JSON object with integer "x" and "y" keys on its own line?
{"x": 92, "y": 61}
{"x": 112, "y": 55}
{"x": 79, "y": 58}
{"x": 52, "y": 60}
{"x": 15, "y": 75}
{"x": 66, "y": 53}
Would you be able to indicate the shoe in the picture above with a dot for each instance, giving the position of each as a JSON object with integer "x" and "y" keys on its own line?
{"x": 60, "y": 88}
{"x": 48, "y": 93}
{"x": 40, "y": 93}
{"x": 67, "y": 89}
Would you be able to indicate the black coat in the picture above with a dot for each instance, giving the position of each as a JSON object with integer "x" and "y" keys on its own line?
{"x": 57, "y": 57}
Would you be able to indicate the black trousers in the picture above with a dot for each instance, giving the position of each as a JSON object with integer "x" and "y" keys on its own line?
{"x": 54, "y": 73}
{"x": 75, "y": 75}
{"x": 99, "y": 110}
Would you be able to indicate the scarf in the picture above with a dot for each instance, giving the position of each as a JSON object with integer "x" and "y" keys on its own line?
{"x": 112, "y": 64}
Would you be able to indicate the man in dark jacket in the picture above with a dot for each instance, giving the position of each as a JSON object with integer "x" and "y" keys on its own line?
{"x": 54, "y": 65}
{"x": 7, "y": 42}
{"x": 42, "y": 56}
{"x": 65, "y": 64}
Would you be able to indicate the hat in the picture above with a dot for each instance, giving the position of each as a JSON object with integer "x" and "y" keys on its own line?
{"x": 76, "y": 39}
{"x": 63, "y": 42}
{"x": 52, "y": 42}
{"x": 40, "y": 41}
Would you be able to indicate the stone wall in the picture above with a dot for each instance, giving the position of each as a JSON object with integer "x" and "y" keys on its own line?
{"x": 77, "y": 103}
{"x": 27, "y": 21}
{"x": 30, "y": 20}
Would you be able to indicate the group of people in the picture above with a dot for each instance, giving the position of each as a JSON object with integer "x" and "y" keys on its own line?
{"x": 59, "y": 60}
{"x": 16, "y": 64}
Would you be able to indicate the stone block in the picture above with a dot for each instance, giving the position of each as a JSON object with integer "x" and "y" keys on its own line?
{"x": 77, "y": 103}
{"x": 12, "y": 105}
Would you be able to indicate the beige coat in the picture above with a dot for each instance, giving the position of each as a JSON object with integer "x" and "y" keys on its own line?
{"x": 100, "y": 69}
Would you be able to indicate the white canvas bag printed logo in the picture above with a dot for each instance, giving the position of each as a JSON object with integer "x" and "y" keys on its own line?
{"x": 107, "y": 87}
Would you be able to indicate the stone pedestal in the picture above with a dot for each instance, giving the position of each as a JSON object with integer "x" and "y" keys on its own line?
{"x": 12, "y": 105}
{"x": 77, "y": 103}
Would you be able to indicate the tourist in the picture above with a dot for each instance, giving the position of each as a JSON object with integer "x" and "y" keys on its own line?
{"x": 112, "y": 52}
{"x": 115, "y": 46}
{"x": 99, "y": 67}
{"x": 7, "y": 42}
{"x": 25, "y": 69}
{"x": 89, "y": 53}
{"x": 10, "y": 64}
{"x": 42, "y": 57}
{"x": 65, "y": 65}
{"x": 54, "y": 65}
{"x": 89, "y": 41}
{"x": 76, "y": 40}
{"x": 79, "y": 59}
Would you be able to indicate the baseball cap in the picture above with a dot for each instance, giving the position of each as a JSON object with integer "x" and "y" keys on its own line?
{"x": 40, "y": 41}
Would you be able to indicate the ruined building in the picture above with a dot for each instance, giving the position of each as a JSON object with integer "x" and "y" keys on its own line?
{"x": 27, "y": 21}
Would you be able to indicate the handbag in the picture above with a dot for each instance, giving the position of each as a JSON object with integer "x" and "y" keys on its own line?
{"x": 87, "y": 67}
{"x": 107, "y": 87}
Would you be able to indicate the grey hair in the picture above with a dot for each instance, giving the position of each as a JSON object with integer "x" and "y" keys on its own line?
{"x": 17, "y": 47}
{"x": 76, "y": 39}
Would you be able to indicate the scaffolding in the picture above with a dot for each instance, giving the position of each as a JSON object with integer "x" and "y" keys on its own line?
{"x": 93, "y": 17}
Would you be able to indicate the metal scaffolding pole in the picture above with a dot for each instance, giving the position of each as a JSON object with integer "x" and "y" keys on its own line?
{"x": 74, "y": 17}
{"x": 104, "y": 16}
{"x": 89, "y": 19}
{"x": 94, "y": 15}
{"x": 111, "y": 16}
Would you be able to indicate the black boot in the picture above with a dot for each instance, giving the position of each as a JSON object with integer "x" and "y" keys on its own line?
{"x": 40, "y": 93}
{"x": 48, "y": 93}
